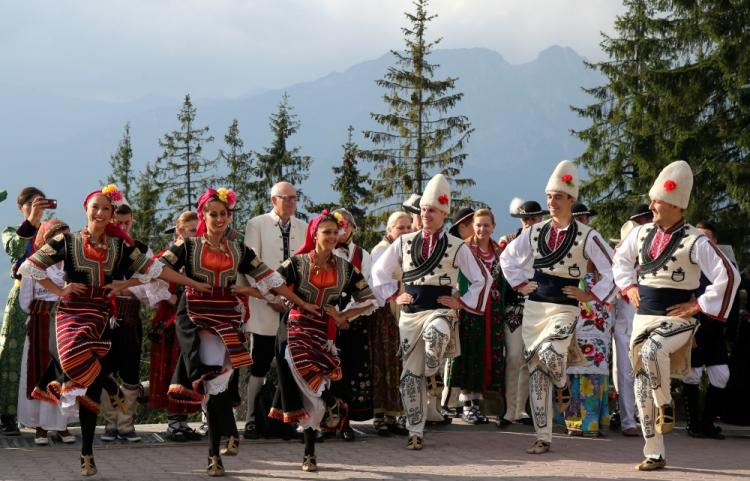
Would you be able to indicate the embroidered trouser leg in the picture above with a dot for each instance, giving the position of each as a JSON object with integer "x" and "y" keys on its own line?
{"x": 413, "y": 388}
{"x": 644, "y": 398}
{"x": 655, "y": 353}
{"x": 540, "y": 399}
{"x": 436, "y": 337}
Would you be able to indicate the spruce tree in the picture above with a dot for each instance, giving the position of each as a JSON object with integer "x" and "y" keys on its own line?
{"x": 674, "y": 90}
{"x": 279, "y": 162}
{"x": 419, "y": 138}
{"x": 147, "y": 225}
{"x": 186, "y": 172}
{"x": 239, "y": 173}
{"x": 351, "y": 185}
{"x": 121, "y": 163}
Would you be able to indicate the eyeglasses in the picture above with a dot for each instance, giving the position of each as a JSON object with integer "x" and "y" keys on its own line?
{"x": 287, "y": 198}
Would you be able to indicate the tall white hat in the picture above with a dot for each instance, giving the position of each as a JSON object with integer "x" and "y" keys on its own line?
{"x": 437, "y": 194}
{"x": 564, "y": 179}
{"x": 673, "y": 185}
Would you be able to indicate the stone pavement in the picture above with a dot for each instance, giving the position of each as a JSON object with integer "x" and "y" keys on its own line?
{"x": 453, "y": 453}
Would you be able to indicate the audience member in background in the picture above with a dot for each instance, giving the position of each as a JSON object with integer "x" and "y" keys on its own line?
{"x": 386, "y": 365}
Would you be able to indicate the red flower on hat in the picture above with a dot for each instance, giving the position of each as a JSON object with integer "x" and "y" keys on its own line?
{"x": 443, "y": 199}
{"x": 568, "y": 179}
{"x": 670, "y": 185}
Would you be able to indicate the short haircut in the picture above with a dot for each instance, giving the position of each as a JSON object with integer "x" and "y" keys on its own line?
{"x": 26, "y": 194}
{"x": 395, "y": 217}
{"x": 185, "y": 217}
{"x": 708, "y": 225}
{"x": 123, "y": 209}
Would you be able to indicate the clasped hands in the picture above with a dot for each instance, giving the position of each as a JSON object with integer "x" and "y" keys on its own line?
{"x": 683, "y": 309}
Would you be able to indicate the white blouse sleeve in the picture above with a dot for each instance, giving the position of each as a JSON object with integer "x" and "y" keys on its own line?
{"x": 625, "y": 261}
{"x": 383, "y": 284}
{"x": 516, "y": 259}
{"x": 475, "y": 298}
{"x": 600, "y": 254}
{"x": 718, "y": 297}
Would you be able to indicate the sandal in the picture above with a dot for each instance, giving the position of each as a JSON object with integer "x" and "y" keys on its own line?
{"x": 473, "y": 415}
{"x": 309, "y": 463}
{"x": 233, "y": 447}
{"x": 88, "y": 467}
{"x": 333, "y": 415}
{"x": 562, "y": 398}
{"x": 215, "y": 466}
{"x": 381, "y": 428}
{"x": 415, "y": 443}
{"x": 539, "y": 447}
{"x": 665, "y": 418}
{"x": 650, "y": 464}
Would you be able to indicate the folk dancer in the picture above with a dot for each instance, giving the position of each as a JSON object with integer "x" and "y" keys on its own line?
{"x": 558, "y": 250}
{"x": 658, "y": 267}
{"x": 431, "y": 260}
{"x": 274, "y": 236}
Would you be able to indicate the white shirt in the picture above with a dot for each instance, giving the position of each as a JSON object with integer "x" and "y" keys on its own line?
{"x": 517, "y": 261}
{"x": 716, "y": 300}
{"x": 384, "y": 285}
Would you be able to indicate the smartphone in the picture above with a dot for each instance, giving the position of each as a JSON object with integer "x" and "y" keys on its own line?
{"x": 51, "y": 203}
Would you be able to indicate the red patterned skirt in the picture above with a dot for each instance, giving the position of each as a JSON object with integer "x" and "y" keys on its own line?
{"x": 38, "y": 359}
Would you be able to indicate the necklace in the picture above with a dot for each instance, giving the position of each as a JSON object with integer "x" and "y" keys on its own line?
{"x": 219, "y": 248}
{"x": 318, "y": 266}
{"x": 101, "y": 244}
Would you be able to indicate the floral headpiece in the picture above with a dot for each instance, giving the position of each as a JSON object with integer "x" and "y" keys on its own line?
{"x": 109, "y": 191}
{"x": 340, "y": 220}
{"x": 227, "y": 196}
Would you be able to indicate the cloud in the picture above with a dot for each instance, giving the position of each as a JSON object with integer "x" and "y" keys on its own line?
{"x": 121, "y": 49}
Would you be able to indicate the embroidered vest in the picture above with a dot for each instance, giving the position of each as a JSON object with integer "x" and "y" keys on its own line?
{"x": 569, "y": 259}
{"x": 673, "y": 269}
{"x": 438, "y": 270}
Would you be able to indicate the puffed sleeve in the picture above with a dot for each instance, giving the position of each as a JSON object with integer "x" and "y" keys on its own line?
{"x": 252, "y": 266}
{"x": 141, "y": 264}
{"x": 360, "y": 292}
{"x": 48, "y": 255}
{"x": 176, "y": 256}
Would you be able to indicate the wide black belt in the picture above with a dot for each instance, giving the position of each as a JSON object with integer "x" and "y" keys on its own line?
{"x": 425, "y": 297}
{"x": 656, "y": 300}
{"x": 550, "y": 289}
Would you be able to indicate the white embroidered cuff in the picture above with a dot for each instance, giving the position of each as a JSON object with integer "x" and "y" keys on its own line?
{"x": 152, "y": 273}
{"x": 27, "y": 269}
{"x": 270, "y": 282}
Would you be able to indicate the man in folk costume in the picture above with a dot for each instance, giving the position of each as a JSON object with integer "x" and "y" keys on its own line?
{"x": 558, "y": 250}
{"x": 431, "y": 260}
{"x": 658, "y": 268}
{"x": 516, "y": 371}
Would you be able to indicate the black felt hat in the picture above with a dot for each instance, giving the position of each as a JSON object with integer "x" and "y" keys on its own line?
{"x": 579, "y": 208}
{"x": 412, "y": 204}
{"x": 460, "y": 216}
{"x": 639, "y": 211}
{"x": 530, "y": 208}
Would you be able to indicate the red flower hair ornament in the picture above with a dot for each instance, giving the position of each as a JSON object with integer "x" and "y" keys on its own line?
{"x": 567, "y": 179}
{"x": 443, "y": 199}
{"x": 670, "y": 185}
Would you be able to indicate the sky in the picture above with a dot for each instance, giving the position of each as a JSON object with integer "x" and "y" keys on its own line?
{"x": 122, "y": 50}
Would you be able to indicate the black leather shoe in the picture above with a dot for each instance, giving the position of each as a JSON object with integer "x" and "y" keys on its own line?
{"x": 348, "y": 434}
{"x": 251, "y": 432}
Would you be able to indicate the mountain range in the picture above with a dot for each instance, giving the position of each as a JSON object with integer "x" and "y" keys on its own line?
{"x": 520, "y": 112}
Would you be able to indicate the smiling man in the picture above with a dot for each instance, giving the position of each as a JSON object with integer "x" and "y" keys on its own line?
{"x": 431, "y": 260}
{"x": 557, "y": 251}
{"x": 658, "y": 268}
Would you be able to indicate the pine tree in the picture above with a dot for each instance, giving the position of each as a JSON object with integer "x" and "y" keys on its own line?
{"x": 278, "y": 162}
{"x": 186, "y": 172}
{"x": 351, "y": 186}
{"x": 240, "y": 173}
{"x": 147, "y": 225}
{"x": 121, "y": 163}
{"x": 419, "y": 139}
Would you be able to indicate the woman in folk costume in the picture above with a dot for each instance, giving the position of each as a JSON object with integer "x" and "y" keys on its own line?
{"x": 39, "y": 346}
{"x": 658, "y": 267}
{"x": 306, "y": 344}
{"x": 165, "y": 350}
{"x": 557, "y": 252}
{"x": 588, "y": 412}
{"x": 480, "y": 367}
{"x": 209, "y": 324}
{"x": 91, "y": 259}
{"x": 18, "y": 243}
{"x": 386, "y": 366}
{"x": 431, "y": 260}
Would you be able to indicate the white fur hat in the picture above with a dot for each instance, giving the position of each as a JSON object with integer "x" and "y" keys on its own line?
{"x": 673, "y": 185}
{"x": 564, "y": 179}
{"x": 437, "y": 194}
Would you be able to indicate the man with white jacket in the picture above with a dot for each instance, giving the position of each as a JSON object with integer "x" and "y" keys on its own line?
{"x": 274, "y": 237}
